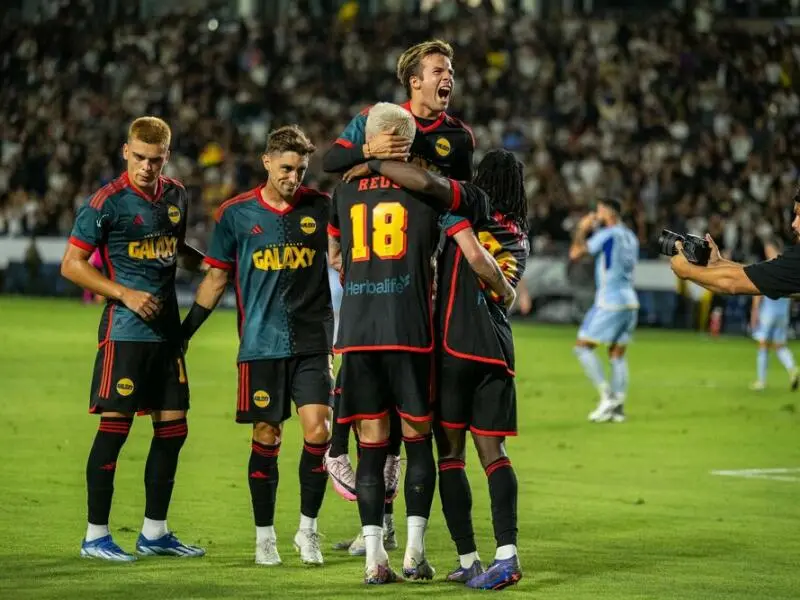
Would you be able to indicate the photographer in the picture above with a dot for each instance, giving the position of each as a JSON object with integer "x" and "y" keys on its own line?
{"x": 776, "y": 278}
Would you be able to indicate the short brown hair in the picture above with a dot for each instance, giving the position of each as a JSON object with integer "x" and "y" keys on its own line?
{"x": 289, "y": 138}
{"x": 410, "y": 61}
{"x": 150, "y": 130}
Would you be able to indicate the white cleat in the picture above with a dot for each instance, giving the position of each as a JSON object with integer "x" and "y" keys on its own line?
{"x": 306, "y": 542}
{"x": 605, "y": 409}
{"x": 758, "y": 386}
{"x": 267, "y": 553}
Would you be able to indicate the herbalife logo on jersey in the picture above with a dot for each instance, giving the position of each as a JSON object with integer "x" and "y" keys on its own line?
{"x": 390, "y": 285}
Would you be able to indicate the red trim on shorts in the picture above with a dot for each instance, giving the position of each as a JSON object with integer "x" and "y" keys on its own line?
{"x": 108, "y": 367}
{"x": 363, "y": 417}
{"x": 218, "y": 264}
{"x": 79, "y": 243}
{"x": 487, "y": 433}
{"x": 243, "y": 405}
{"x": 343, "y": 143}
{"x": 415, "y": 349}
{"x": 455, "y": 188}
{"x": 498, "y": 464}
{"x": 413, "y": 419}
{"x": 449, "y": 425}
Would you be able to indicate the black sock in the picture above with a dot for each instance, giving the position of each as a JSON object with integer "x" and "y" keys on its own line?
{"x": 313, "y": 478}
{"x": 420, "y": 476}
{"x": 162, "y": 462}
{"x": 395, "y": 433}
{"x": 388, "y": 508}
{"x": 503, "y": 493}
{"x": 370, "y": 485}
{"x": 456, "y": 497}
{"x": 263, "y": 478}
{"x": 102, "y": 464}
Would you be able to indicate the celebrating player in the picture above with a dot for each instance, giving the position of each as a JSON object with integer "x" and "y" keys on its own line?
{"x": 385, "y": 239}
{"x": 441, "y": 143}
{"x": 770, "y": 324}
{"x": 138, "y": 221}
{"x": 271, "y": 241}
{"x": 476, "y": 389}
{"x": 612, "y": 318}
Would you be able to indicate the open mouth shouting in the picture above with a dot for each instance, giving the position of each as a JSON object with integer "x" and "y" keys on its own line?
{"x": 444, "y": 92}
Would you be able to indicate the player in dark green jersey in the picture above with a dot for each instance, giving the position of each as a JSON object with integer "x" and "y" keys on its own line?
{"x": 138, "y": 222}
{"x": 270, "y": 242}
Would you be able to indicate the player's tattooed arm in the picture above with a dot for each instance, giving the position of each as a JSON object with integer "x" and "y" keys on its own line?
{"x": 75, "y": 267}
{"x": 416, "y": 179}
{"x": 484, "y": 265}
{"x": 190, "y": 258}
{"x": 206, "y": 299}
{"x": 578, "y": 248}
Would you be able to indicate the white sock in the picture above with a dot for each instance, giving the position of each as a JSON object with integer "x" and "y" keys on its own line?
{"x": 95, "y": 532}
{"x": 467, "y": 560}
{"x": 415, "y": 544}
{"x": 153, "y": 530}
{"x": 308, "y": 523}
{"x": 265, "y": 533}
{"x": 373, "y": 543}
{"x": 388, "y": 522}
{"x": 786, "y": 357}
{"x": 505, "y": 552}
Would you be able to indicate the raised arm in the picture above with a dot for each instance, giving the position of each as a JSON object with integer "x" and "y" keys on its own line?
{"x": 484, "y": 265}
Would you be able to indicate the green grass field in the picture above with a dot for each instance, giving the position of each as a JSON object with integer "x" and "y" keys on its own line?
{"x": 606, "y": 511}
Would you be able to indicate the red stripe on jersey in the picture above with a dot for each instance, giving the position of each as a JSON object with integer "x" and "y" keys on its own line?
{"x": 343, "y": 143}
{"x": 174, "y": 182}
{"x": 79, "y": 243}
{"x": 455, "y": 188}
{"x": 425, "y": 128}
{"x": 105, "y": 192}
{"x": 461, "y": 226}
{"x": 334, "y": 231}
{"x": 218, "y": 264}
{"x": 248, "y": 195}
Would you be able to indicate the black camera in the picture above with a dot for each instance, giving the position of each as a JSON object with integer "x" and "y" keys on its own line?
{"x": 696, "y": 249}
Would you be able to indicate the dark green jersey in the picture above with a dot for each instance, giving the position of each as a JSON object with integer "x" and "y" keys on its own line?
{"x": 138, "y": 236}
{"x": 280, "y": 273}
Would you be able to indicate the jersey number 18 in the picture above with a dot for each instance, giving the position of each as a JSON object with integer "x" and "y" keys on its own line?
{"x": 389, "y": 223}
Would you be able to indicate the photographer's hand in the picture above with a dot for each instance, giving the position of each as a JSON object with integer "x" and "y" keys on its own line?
{"x": 679, "y": 265}
{"x": 715, "y": 259}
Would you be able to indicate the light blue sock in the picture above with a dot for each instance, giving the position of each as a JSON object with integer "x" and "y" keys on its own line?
{"x": 592, "y": 367}
{"x": 761, "y": 364}
{"x": 619, "y": 376}
{"x": 786, "y": 357}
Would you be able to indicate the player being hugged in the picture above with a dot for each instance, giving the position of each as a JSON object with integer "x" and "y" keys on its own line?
{"x": 440, "y": 143}
{"x": 612, "y": 318}
{"x": 138, "y": 222}
{"x": 271, "y": 243}
{"x": 476, "y": 389}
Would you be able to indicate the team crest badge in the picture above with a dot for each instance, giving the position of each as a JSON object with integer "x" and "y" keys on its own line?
{"x": 174, "y": 214}
{"x": 442, "y": 146}
{"x": 125, "y": 387}
{"x": 308, "y": 225}
{"x": 261, "y": 399}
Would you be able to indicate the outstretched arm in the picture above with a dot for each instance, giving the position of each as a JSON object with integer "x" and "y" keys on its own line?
{"x": 416, "y": 179}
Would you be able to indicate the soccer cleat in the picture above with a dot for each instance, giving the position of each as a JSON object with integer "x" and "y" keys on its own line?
{"x": 342, "y": 476}
{"x": 379, "y": 574}
{"x": 357, "y": 547}
{"x": 267, "y": 553}
{"x": 462, "y": 575}
{"x": 758, "y": 386}
{"x": 794, "y": 379}
{"x": 391, "y": 475}
{"x": 167, "y": 545}
{"x": 389, "y": 537}
{"x": 618, "y": 414}
{"x": 419, "y": 571}
{"x": 605, "y": 409}
{"x": 499, "y": 575}
{"x": 306, "y": 542}
{"x": 106, "y": 549}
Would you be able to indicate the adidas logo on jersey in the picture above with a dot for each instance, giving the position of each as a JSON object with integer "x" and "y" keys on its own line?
{"x": 256, "y": 230}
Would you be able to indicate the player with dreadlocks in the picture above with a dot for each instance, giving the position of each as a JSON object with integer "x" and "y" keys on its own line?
{"x": 476, "y": 389}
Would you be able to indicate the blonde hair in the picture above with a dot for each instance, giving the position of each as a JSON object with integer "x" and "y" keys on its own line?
{"x": 384, "y": 116}
{"x": 410, "y": 61}
{"x": 150, "y": 130}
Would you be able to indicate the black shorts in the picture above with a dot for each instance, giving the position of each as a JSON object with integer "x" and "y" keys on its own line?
{"x": 267, "y": 387}
{"x": 477, "y": 396}
{"x": 139, "y": 377}
{"x": 373, "y": 383}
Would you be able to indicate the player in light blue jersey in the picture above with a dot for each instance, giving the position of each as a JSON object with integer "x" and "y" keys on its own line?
{"x": 612, "y": 318}
{"x": 769, "y": 323}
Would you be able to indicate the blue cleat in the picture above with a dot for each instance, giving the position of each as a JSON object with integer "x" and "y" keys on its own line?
{"x": 106, "y": 549}
{"x": 420, "y": 571}
{"x": 499, "y": 575}
{"x": 167, "y": 545}
{"x": 462, "y": 575}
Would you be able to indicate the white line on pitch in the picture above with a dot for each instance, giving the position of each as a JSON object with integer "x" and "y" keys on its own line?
{"x": 780, "y": 474}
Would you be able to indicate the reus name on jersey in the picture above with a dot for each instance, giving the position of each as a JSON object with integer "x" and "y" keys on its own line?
{"x": 138, "y": 236}
{"x": 280, "y": 273}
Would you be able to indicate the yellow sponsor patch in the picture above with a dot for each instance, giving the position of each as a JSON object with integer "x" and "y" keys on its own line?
{"x": 261, "y": 399}
{"x": 125, "y": 387}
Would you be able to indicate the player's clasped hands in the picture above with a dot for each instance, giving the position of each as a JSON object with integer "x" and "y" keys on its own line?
{"x": 143, "y": 304}
{"x": 389, "y": 146}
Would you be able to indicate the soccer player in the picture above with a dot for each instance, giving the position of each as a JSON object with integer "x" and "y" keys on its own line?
{"x": 138, "y": 222}
{"x": 476, "y": 389}
{"x": 385, "y": 239}
{"x": 441, "y": 143}
{"x": 612, "y": 318}
{"x": 271, "y": 243}
{"x": 770, "y": 323}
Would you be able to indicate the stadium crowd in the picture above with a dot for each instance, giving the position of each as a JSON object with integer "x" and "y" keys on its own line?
{"x": 692, "y": 123}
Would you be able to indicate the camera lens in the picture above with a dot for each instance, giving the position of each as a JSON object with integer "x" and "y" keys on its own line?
{"x": 666, "y": 242}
